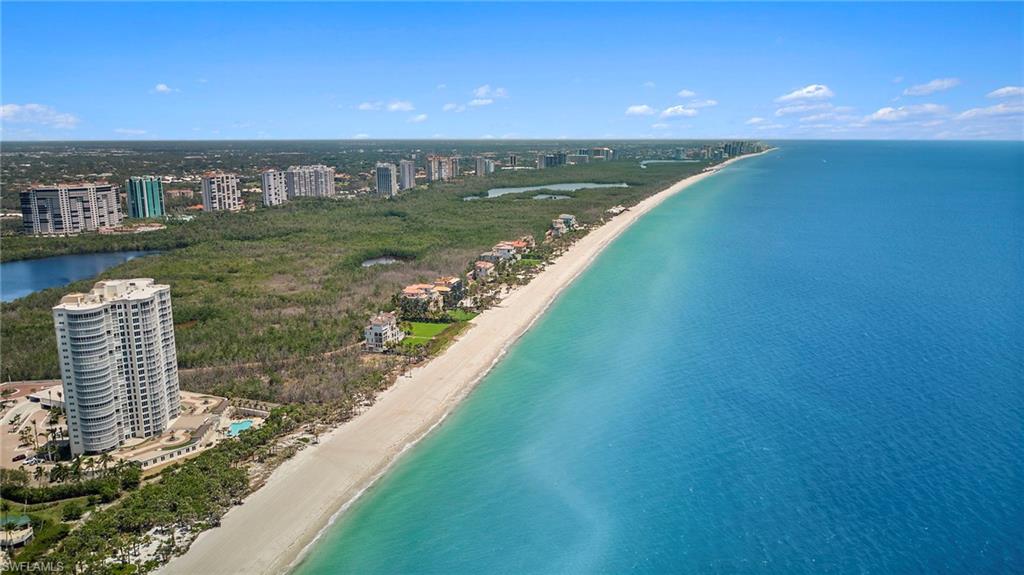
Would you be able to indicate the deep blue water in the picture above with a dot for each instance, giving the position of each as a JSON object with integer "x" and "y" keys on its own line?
{"x": 20, "y": 278}
{"x": 812, "y": 362}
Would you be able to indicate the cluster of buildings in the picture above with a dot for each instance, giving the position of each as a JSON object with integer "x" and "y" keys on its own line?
{"x": 70, "y": 209}
{"x": 118, "y": 363}
{"x": 279, "y": 186}
{"x": 721, "y": 151}
{"x": 427, "y": 300}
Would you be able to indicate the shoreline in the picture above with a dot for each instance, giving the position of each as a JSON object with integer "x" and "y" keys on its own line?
{"x": 308, "y": 493}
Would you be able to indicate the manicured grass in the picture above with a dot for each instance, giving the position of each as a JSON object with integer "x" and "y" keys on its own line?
{"x": 426, "y": 330}
{"x": 461, "y": 315}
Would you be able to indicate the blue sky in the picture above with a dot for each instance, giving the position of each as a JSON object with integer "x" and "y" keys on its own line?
{"x": 578, "y": 70}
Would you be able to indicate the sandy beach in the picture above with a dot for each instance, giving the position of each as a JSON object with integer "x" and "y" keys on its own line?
{"x": 270, "y": 531}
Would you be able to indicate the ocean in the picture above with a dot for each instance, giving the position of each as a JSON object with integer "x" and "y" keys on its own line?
{"x": 812, "y": 362}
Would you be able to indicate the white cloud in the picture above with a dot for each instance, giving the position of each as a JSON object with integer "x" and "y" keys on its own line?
{"x": 485, "y": 91}
{"x": 755, "y": 120}
{"x": 639, "y": 110}
{"x": 38, "y": 114}
{"x": 418, "y": 119}
{"x": 477, "y": 102}
{"x": 487, "y": 137}
{"x": 361, "y": 137}
{"x": 129, "y": 131}
{"x": 890, "y": 114}
{"x": 453, "y": 107}
{"x": 702, "y": 103}
{"x": 802, "y": 108}
{"x": 684, "y": 93}
{"x": 1007, "y": 92}
{"x": 897, "y": 80}
{"x": 442, "y": 86}
{"x": 674, "y": 111}
{"x": 936, "y": 85}
{"x": 401, "y": 106}
{"x": 649, "y": 84}
{"x": 660, "y": 126}
{"x": 370, "y": 106}
{"x": 810, "y": 92}
{"x": 162, "y": 88}
{"x": 1000, "y": 109}
{"x": 770, "y": 126}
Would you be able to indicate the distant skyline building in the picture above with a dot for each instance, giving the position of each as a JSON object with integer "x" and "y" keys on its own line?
{"x": 513, "y": 160}
{"x": 220, "y": 193}
{"x": 69, "y": 209}
{"x": 406, "y": 174}
{"x": 442, "y": 168}
{"x": 145, "y": 197}
{"x": 274, "y": 187}
{"x": 118, "y": 363}
{"x": 484, "y": 166}
{"x": 310, "y": 182}
{"x": 386, "y": 176}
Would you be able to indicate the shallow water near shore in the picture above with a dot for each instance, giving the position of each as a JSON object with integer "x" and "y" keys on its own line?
{"x": 810, "y": 362}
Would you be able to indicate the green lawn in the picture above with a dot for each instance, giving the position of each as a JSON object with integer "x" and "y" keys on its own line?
{"x": 461, "y": 315}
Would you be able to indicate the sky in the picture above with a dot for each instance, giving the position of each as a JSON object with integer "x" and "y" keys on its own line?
{"x": 98, "y": 71}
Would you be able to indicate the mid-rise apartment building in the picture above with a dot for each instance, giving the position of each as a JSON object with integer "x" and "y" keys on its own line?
{"x": 69, "y": 209}
{"x": 220, "y": 193}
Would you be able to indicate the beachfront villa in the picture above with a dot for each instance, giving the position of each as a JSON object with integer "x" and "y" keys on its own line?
{"x": 418, "y": 300}
{"x": 569, "y": 220}
{"x": 382, "y": 332}
{"x": 505, "y": 251}
{"x": 482, "y": 270}
{"x": 452, "y": 290}
{"x": 557, "y": 228}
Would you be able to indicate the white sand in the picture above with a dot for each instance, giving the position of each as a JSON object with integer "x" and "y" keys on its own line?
{"x": 268, "y": 533}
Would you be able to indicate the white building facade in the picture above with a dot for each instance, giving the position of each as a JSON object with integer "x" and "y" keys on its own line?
{"x": 275, "y": 191}
{"x": 119, "y": 367}
{"x": 310, "y": 182}
{"x": 406, "y": 174}
{"x": 220, "y": 193}
{"x": 382, "y": 332}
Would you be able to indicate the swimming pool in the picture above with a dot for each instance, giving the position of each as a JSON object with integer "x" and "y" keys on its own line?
{"x": 238, "y": 427}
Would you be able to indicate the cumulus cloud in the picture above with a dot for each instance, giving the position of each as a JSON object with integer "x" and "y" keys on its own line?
{"x": 162, "y": 88}
{"x": 418, "y": 119}
{"x": 649, "y": 84}
{"x": 1007, "y": 92}
{"x": 639, "y": 110}
{"x": 361, "y": 137}
{"x": 370, "y": 106}
{"x": 38, "y": 114}
{"x": 936, "y": 85}
{"x": 129, "y": 131}
{"x": 401, "y": 106}
{"x": 486, "y": 92}
{"x": 755, "y": 120}
{"x": 890, "y": 114}
{"x": 802, "y": 108}
{"x": 684, "y": 93}
{"x": 660, "y": 126}
{"x": 702, "y": 103}
{"x": 675, "y": 111}
{"x": 1000, "y": 109}
{"x": 453, "y": 107}
{"x": 809, "y": 92}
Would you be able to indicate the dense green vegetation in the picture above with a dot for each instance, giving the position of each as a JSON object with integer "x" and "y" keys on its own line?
{"x": 190, "y": 496}
{"x": 255, "y": 291}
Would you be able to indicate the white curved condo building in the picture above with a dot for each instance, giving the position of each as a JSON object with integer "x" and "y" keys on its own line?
{"x": 118, "y": 363}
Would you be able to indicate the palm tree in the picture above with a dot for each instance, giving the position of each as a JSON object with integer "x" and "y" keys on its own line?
{"x": 76, "y": 468}
{"x": 38, "y": 474}
{"x": 105, "y": 460}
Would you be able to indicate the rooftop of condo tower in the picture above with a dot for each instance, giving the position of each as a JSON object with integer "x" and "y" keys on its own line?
{"x": 109, "y": 290}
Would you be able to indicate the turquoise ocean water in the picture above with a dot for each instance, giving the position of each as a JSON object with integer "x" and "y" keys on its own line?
{"x": 812, "y": 362}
